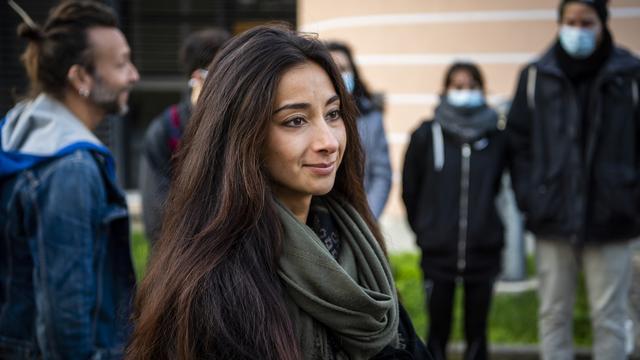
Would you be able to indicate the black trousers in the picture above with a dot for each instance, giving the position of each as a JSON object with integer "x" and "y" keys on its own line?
{"x": 477, "y": 302}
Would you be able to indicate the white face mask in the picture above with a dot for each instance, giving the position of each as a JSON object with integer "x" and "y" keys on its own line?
{"x": 349, "y": 81}
{"x": 578, "y": 42}
{"x": 465, "y": 98}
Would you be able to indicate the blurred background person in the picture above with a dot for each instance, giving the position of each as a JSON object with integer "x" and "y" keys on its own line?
{"x": 164, "y": 134}
{"x": 574, "y": 131}
{"x": 451, "y": 177}
{"x": 377, "y": 171}
{"x": 65, "y": 263}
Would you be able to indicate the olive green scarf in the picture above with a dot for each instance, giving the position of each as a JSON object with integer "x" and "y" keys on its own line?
{"x": 353, "y": 298}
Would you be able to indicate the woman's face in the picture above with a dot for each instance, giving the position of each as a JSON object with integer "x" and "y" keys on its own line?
{"x": 307, "y": 136}
{"x": 462, "y": 80}
{"x": 582, "y": 16}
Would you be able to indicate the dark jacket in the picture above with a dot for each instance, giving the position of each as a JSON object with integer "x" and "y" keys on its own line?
{"x": 575, "y": 168}
{"x": 66, "y": 277}
{"x": 161, "y": 141}
{"x": 437, "y": 197}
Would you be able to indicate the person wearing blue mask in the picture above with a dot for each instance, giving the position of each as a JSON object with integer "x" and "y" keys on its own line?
{"x": 377, "y": 166}
{"x": 451, "y": 177}
{"x": 574, "y": 135}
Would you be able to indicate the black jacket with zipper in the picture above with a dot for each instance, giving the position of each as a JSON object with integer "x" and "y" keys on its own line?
{"x": 432, "y": 199}
{"x": 575, "y": 168}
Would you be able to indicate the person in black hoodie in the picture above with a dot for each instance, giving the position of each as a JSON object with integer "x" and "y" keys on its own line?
{"x": 451, "y": 177}
{"x": 574, "y": 136}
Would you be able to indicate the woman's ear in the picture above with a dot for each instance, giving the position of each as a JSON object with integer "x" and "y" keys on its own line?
{"x": 80, "y": 80}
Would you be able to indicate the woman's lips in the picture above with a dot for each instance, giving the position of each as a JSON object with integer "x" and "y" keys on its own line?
{"x": 322, "y": 169}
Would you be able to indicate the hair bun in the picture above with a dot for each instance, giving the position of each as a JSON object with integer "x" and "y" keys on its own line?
{"x": 32, "y": 33}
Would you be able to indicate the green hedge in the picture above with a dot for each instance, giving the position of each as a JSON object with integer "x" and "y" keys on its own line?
{"x": 513, "y": 318}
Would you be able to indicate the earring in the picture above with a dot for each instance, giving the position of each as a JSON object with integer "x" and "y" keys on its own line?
{"x": 83, "y": 92}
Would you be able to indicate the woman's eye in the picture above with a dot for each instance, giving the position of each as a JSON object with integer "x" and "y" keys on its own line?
{"x": 295, "y": 122}
{"x": 334, "y": 115}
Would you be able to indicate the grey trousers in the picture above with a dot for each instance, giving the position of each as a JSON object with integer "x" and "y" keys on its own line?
{"x": 607, "y": 270}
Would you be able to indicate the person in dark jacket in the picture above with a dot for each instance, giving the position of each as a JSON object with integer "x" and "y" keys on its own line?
{"x": 377, "y": 166}
{"x": 66, "y": 275}
{"x": 163, "y": 136}
{"x": 574, "y": 129}
{"x": 450, "y": 180}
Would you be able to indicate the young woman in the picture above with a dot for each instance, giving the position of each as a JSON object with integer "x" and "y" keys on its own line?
{"x": 377, "y": 166}
{"x": 451, "y": 177}
{"x": 268, "y": 249}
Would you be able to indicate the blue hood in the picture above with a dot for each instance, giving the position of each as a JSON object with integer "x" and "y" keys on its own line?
{"x": 41, "y": 130}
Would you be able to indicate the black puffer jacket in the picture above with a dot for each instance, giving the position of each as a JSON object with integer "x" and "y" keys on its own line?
{"x": 435, "y": 200}
{"x": 576, "y": 174}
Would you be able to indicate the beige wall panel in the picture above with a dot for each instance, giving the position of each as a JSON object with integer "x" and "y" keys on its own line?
{"x": 500, "y": 37}
{"x": 499, "y": 78}
{"x": 310, "y": 11}
{"x": 317, "y": 10}
{"x": 447, "y": 38}
{"x": 626, "y": 32}
{"x": 396, "y": 154}
{"x": 403, "y": 78}
{"x": 405, "y": 118}
{"x": 394, "y": 205}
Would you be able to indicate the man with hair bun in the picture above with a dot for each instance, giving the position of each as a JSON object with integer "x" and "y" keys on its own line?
{"x": 65, "y": 265}
{"x": 574, "y": 131}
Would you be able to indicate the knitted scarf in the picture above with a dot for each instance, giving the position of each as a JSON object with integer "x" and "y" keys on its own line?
{"x": 466, "y": 124}
{"x": 353, "y": 297}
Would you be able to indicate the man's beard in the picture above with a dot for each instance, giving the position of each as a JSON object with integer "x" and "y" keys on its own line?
{"x": 107, "y": 98}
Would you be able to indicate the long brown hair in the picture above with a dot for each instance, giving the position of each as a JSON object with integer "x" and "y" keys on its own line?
{"x": 211, "y": 290}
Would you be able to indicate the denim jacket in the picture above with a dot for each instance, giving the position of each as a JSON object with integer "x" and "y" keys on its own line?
{"x": 66, "y": 275}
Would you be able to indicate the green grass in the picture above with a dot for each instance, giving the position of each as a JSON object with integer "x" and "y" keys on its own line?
{"x": 139, "y": 253}
{"x": 513, "y": 317}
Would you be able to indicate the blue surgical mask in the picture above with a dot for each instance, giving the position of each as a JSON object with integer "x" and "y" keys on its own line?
{"x": 349, "y": 81}
{"x": 465, "y": 98}
{"x": 577, "y": 42}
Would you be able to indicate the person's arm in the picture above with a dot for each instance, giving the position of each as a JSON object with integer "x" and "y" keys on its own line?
{"x": 155, "y": 170}
{"x": 636, "y": 117}
{"x": 518, "y": 133}
{"x": 380, "y": 176}
{"x": 67, "y": 231}
{"x": 413, "y": 172}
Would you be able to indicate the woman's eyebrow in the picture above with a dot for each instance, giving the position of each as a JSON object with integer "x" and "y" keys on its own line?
{"x": 302, "y": 106}
{"x": 332, "y": 99}
{"x": 295, "y": 106}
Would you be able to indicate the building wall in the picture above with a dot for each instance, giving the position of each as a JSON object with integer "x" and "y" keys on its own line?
{"x": 404, "y": 46}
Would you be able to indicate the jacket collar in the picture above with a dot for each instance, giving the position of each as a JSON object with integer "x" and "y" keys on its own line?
{"x": 620, "y": 61}
{"x": 43, "y": 129}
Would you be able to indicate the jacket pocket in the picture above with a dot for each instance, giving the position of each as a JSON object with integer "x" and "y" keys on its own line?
{"x": 545, "y": 201}
{"x": 615, "y": 195}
